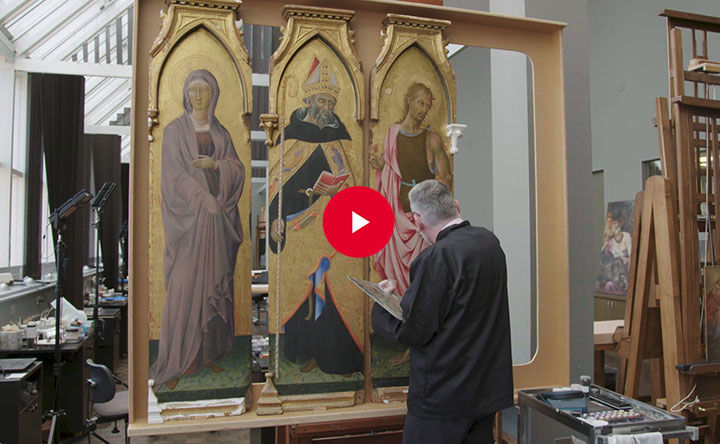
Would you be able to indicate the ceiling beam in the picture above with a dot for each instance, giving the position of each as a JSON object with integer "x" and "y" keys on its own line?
{"x": 68, "y": 46}
{"x": 12, "y": 8}
{"x": 6, "y": 46}
{"x": 52, "y": 26}
{"x": 73, "y": 68}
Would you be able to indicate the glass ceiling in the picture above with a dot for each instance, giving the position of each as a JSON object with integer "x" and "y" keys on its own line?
{"x": 83, "y": 31}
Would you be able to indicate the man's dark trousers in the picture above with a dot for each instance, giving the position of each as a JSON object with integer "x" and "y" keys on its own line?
{"x": 448, "y": 431}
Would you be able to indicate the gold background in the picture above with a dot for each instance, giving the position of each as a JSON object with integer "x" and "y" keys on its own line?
{"x": 200, "y": 50}
{"x": 303, "y": 249}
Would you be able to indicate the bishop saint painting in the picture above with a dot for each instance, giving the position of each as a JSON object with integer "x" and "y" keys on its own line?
{"x": 201, "y": 183}
{"x": 319, "y": 342}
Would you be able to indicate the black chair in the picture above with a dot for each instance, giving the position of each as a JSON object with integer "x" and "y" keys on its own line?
{"x": 108, "y": 404}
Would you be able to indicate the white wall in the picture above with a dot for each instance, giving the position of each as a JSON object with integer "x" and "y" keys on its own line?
{"x": 6, "y": 130}
{"x": 628, "y": 69}
{"x": 473, "y": 164}
{"x": 511, "y": 181}
{"x": 492, "y": 170}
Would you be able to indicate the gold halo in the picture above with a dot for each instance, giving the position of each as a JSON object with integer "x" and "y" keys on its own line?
{"x": 187, "y": 64}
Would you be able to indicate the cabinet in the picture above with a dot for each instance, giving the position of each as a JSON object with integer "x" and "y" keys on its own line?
{"x": 108, "y": 350}
{"x": 609, "y": 307}
{"x": 73, "y": 390}
{"x": 21, "y": 406}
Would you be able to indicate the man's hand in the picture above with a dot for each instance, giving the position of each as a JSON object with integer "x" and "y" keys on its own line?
{"x": 276, "y": 230}
{"x": 204, "y": 163}
{"x": 388, "y": 286}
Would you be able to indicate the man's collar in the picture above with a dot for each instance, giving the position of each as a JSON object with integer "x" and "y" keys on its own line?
{"x": 453, "y": 224}
{"x": 455, "y": 221}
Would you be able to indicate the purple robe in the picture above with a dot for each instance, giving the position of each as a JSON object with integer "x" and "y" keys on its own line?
{"x": 202, "y": 236}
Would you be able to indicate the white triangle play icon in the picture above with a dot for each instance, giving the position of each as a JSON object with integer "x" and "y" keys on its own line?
{"x": 358, "y": 221}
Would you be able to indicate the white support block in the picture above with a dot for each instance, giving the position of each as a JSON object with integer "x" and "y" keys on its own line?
{"x": 260, "y": 79}
{"x": 107, "y": 129}
{"x": 258, "y": 136}
{"x": 73, "y": 68}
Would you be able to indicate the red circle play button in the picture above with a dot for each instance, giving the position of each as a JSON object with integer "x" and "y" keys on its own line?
{"x": 358, "y": 221}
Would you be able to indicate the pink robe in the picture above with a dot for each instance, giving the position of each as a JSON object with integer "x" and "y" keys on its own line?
{"x": 393, "y": 261}
{"x": 200, "y": 250}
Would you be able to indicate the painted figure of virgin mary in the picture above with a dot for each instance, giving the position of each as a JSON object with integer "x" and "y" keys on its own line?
{"x": 202, "y": 181}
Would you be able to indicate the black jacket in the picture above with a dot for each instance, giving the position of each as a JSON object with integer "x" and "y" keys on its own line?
{"x": 457, "y": 323}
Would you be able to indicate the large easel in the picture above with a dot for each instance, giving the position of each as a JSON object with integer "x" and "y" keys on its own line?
{"x": 666, "y": 273}
{"x": 655, "y": 299}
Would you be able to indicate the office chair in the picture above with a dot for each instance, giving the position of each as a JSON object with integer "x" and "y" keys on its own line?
{"x": 108, "y": 404}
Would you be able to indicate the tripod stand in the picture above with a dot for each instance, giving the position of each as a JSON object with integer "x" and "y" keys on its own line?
{"x": 97, "y": 205}
{"x": 58, "y": 219}
{"x": 55, "y": 413}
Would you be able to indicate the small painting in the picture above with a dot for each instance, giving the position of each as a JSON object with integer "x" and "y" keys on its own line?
{"x": 616, "y": 249}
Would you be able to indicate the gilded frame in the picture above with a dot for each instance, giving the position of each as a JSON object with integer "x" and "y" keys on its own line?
{"x": 193, "y": 23}
{"x": 540, "y": 40}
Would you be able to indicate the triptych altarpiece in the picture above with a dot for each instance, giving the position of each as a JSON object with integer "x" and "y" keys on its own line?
{"x": 322, "y": 120}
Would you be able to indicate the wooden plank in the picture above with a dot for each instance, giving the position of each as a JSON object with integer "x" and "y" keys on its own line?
{"x": 664, "y": 221}
{"x": 700, "y": 126}
{"x": 599, "y": 367}
{"x": 677, "y": 85}
{"x": 700, "y": 143}
{"x": 667, "y": 146}
{"x": 657, "y": 387}
{"x": 703, "y": 368}
{"x": 637, "y": 324}
{"x": 635, "y": 254}
{"x": 697, "y": 102}
{"x": 688, "y": 230}
{"x": 702, "y": 77}
{"x": 689, "y": 20}
{"x": 251, "y": 420}
{"x": 715, "y": 180}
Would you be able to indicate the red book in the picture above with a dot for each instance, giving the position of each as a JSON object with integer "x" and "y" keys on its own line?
{"x": 329, "y": 179}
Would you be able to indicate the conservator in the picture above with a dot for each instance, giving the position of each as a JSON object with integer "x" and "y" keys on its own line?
{"x": 457, "y": 324}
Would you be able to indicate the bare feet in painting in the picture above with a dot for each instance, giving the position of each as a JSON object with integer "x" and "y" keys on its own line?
{"x": 404, "y": 358}
{"x": 171, "y": 384}
{"x": 213, "y": 367}
{"x": 311, "y": 364}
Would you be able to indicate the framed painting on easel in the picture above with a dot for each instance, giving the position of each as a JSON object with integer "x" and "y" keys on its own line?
{"x": 616, "y": 249}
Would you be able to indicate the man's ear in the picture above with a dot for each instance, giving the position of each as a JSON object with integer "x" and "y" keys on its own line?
{"x": 457, "y": 206}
